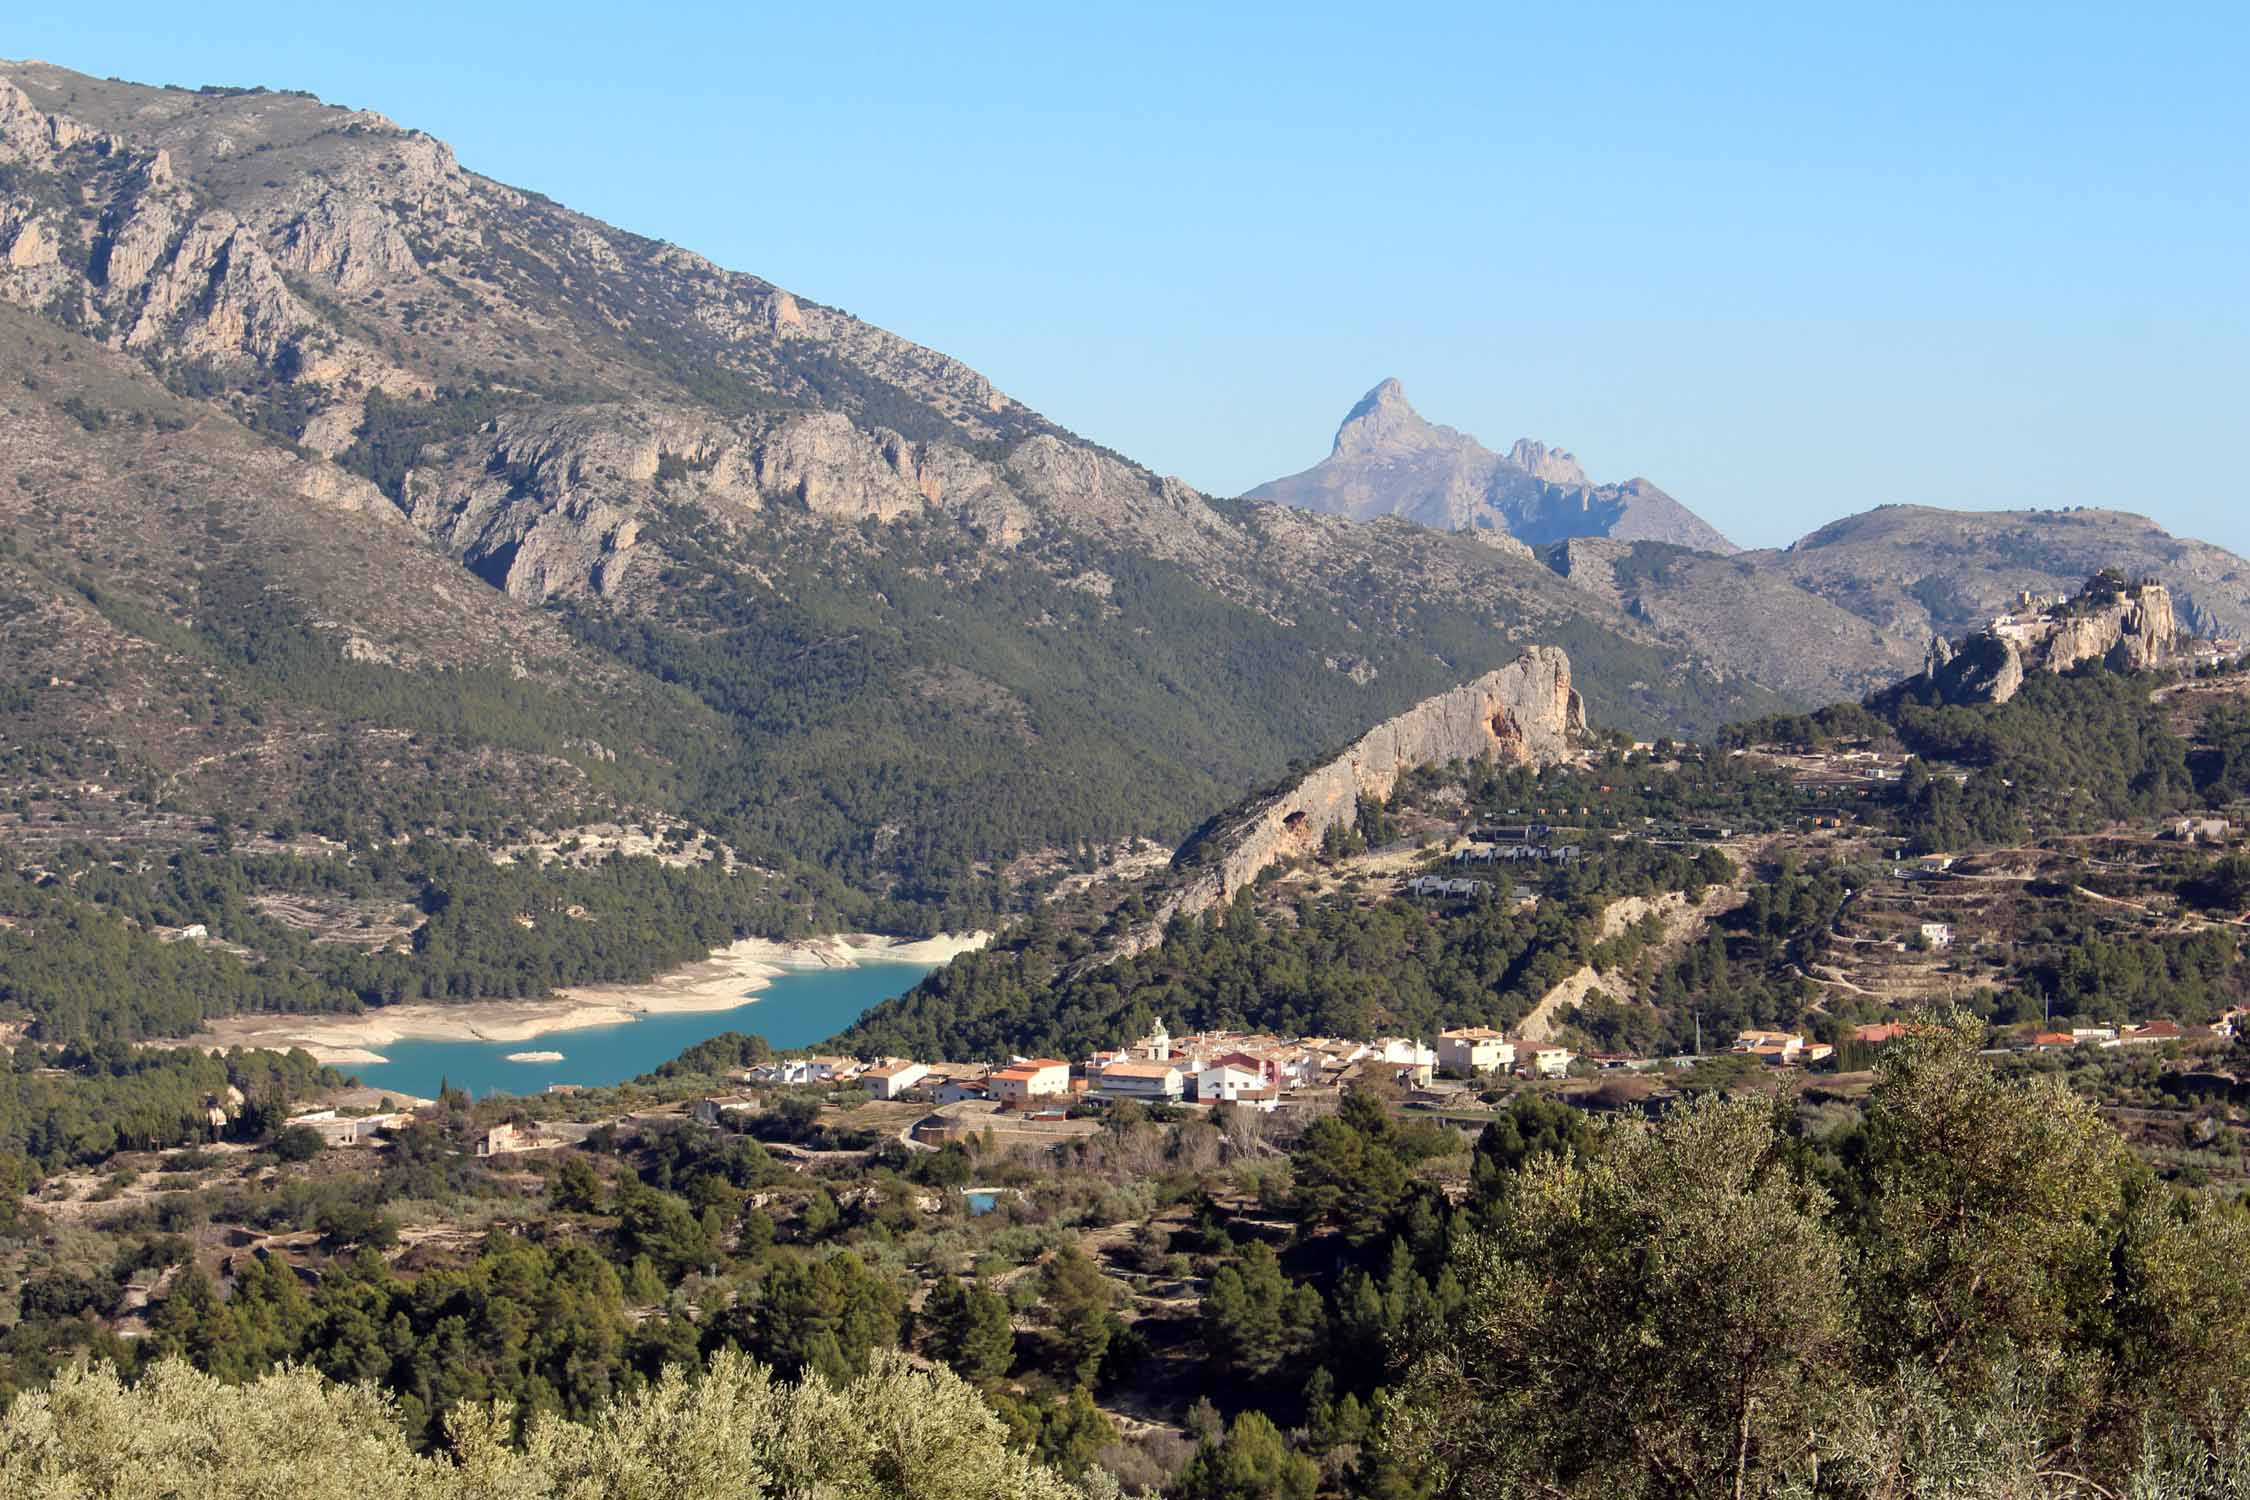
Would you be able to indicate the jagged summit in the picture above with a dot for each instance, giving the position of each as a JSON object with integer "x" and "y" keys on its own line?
{"x": 1385, "y": 420}
{"x": 1552, "y": 465}
{"x": 1390, "y": 460}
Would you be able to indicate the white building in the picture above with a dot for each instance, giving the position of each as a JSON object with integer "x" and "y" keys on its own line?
{"x": 1469, "y": 1050}
{"x": 1414, "y": 1059}
{"x": 1159, "y": 1081}
{"x": 1771, "y": 1046}
{"x": 1020, "y": 1085}
{"x": 893, "y": 1078}
{"x": 963, "y": 1090}
{"x": 720, "y": 1107}
{"x": 1937, "y": 935}
{"x": 1551, "y": 1062}
{"x": 1228, "y": 1081}
{"x": 500, "y": 1140}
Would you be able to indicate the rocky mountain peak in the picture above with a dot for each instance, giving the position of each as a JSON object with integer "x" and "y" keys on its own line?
{"x": 1552, "y": 465}
{"x": 1389, "y": 460}
{"x": 1385, "y": 422}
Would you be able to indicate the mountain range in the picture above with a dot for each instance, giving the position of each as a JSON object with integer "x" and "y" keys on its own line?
{"x": 1388, "y": 460}
{"x": 1841, "y": 612}
{"x": 346, "y": 489}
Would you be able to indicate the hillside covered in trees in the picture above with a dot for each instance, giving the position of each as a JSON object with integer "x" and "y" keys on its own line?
{"x": 1965, "y": 1283}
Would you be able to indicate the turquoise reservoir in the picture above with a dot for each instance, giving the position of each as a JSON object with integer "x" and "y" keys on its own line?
{"x": 795, "y": 1009}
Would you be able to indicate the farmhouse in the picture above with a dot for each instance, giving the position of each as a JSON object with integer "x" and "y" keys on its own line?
{"x": 893, "y": 1078}
{"x": 1018, "y": 1084}
{"x": 1470, "y": 1050}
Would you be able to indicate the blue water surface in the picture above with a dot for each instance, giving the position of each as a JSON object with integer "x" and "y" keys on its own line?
{"x": 795, "y": 1009}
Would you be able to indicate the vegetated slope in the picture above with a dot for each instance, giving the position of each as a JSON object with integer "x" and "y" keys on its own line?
{"x": 1388, "y": 460}
{"x": 200, "y": 620}
{"x": 912, "y": 630}
{"x": 1919, "y": 571}
{"x": 2096, "y": 742}
{"x": 1743, "y": 613}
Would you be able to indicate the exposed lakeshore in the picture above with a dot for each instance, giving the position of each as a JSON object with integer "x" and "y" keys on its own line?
{"x": 730, "y": 977}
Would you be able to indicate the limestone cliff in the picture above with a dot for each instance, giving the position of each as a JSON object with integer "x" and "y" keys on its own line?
{"x": 1524, "y": 714}
{"x": 102, "y": 233}
{"x": 2128, "y": 627}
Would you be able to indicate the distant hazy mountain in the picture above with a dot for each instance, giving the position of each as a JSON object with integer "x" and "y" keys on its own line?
{"x": 1388, "y": 460}
{"x": 1854, "y": 606}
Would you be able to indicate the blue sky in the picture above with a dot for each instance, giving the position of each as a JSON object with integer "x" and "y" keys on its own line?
{"x": 1789, "y": 262}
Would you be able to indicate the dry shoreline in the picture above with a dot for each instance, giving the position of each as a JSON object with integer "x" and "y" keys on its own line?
{"x": 730, "y": 977}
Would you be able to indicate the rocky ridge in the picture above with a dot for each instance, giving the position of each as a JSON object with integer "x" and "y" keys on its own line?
{"x": 1523, "y": 714}
{"x": 1388, "y": 459}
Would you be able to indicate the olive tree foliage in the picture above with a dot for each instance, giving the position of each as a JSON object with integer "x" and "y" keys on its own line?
{"x": 2012, "y": 1307}
{"x": 1650, "y": 1319}
{"x": 1989, "y": 1211}
{"x": 729, "y": 1433}
{"x": 183, "y": 1435}
{"x": 1916, "y": 1439}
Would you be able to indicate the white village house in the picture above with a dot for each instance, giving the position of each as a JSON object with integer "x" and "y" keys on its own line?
{"x": 893, "y": 1078}
{"x": 1469, "y": 1050}
{"x": 1020, "y": 1084}
{"x": 1159, "y": 1081}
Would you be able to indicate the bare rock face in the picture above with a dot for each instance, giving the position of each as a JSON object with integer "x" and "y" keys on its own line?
{"x": 1096, "y": 492}
{"x": 2134, "y": 631}
{"x": 152, "y": 265}
{"x": 27, "y": 132}
{"x": 2127, "y": 627}
{"x": 1523, "y": 714}
{"x": 832, "y": 468}
{"x": 1549, "y": 465}
{"x": 349, "y": 242}
{"x": 1388, "y": 460}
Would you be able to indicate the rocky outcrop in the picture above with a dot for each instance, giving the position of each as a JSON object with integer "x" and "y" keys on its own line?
{"x": 2128, "y": 627}
{"x": 1388, "y": 460}
{"x": 106, "y": 228}
{"x": 1523, "y": 714}
{"x": 2134, "y": 630}
{"x": 1549, "y": 465}
{"x": 349, "y": 242}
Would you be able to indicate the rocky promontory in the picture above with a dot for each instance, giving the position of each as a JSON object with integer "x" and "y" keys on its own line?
{"x": 1523, "y": 714}
{"x": 2129, "y": 627}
